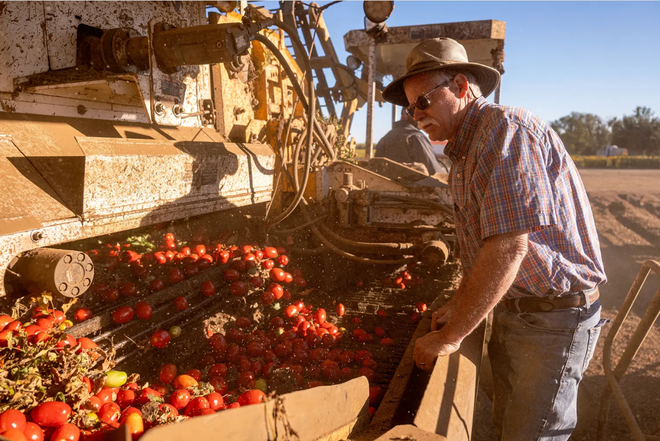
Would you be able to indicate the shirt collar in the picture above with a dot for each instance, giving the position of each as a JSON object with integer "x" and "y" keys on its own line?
{"x": 459, "y": 146}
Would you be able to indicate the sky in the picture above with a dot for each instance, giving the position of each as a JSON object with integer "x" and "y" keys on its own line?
{"x": 560, "y": 57}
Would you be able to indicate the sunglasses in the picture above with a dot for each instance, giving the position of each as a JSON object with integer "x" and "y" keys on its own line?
{"x": 423, "y": 102}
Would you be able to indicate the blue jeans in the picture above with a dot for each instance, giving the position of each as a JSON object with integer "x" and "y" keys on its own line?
{"x": 538, "y": 360}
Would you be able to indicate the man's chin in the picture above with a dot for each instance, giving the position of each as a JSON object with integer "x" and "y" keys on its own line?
{"x": 434, "y": 134}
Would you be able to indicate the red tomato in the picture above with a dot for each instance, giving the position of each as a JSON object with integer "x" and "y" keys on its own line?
{"x": 219, "y": 385}
{"x": 167, "y": 373}
{"x": 33, "y": 432}
{"x": 147, "y": 392}
{"x": 200, "y": 250}
{"x": 252, "y": 396}
{"x": 267, "y": 298}
{"x": 105, "y": 395}
{"x": 169, "y": 237}
{"x": 207, "y": 289}
{"x": 320, "y": 316}
{"x": 123, "y": 314}
{"x": 143, "y": 310}
{"x": 12, "y": 419}
{"x": 421, "y": 307}
{"x": 110, "y": 295}
{"x": 302, "y": 283}
{"x": 288, "y": 278}
{"x": 231, "y": 275}
{"x": 4, "y": 321}
{"x": 218, "y": 370}
{"x": 218, "y": 343}
{"x": 215, "y": 401}
{"x": 267, "y": 264}
{"x": 127, "y": 289}
{"x": 135, "y": 424}
{"x": 381, "y": 313}
{"x": 70, "y": 341}
{"x": 196, "y": 405}
{"x": 125, "y": 398}
{"x": 156, "y": 285}
{"x": 366, "y": 372}
{"x": 277, "y": 274}
{"x": 185, "y": 381}
{"x": 180, "y": 398}
{"x": 181, "y": 303}
{"x": 67, "y": 432}
{"x": 109, "y": 413}
{"x": 238, "y": 288}
{"x": 222, "y": 257}
{"x": 82, "y": 314}
{"x": 86, "y": 343}
{"x": 386, "y": 342}
{"x": 270, "y": 252}
{"x": 291, "y": 311}
{"x": 160, "y": 339}
{"x": 51, "y": 414}
{"x": 379, "y": 332}
{"x": 283, "y": 260}
{"x": 160, "y": 258}
{"x": 340, "y": 310}
{"x": 175, "y": 275}
{"x": 195, "y": 373}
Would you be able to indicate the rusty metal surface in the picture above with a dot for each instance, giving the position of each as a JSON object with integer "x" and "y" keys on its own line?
{"x": 478, "y": 37}
{"x": 322, "y": 413}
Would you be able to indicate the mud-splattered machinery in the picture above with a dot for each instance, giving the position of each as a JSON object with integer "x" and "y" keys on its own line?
{"x": 117, "y": 116}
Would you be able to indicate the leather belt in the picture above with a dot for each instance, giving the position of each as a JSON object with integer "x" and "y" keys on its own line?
{"x": 545, "y": 304}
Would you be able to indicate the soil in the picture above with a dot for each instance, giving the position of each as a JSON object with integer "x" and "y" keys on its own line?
{"x": 626, "y": 207}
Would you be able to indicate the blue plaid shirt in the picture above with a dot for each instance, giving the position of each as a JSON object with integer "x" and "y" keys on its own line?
{"x": 510, "y": 172}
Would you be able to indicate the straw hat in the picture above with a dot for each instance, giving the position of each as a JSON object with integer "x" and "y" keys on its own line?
{"x": 439, "y": 54}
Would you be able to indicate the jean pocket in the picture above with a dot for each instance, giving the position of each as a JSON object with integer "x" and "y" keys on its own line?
{"x": 594, "y": 333}
{"x": 563, "y": 321}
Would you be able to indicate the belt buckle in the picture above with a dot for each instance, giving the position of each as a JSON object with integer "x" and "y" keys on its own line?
{"x": 546, "y": 306}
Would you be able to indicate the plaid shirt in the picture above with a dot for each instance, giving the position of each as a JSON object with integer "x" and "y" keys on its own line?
{"x": 510, "y": 172}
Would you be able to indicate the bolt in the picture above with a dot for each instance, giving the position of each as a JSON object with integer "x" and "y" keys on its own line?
{"x": 75, "y": 290}
{"x": 89, "y": 267}
{"x": 87, "y": 282}
{"x": 81, "y": 257}
{"x": 37, "y": 235}
{"x": 63, "y": 286}
{"x": 81, "y": 109}
{"x": 255, "y": 102}
{"x": 67, "y": 258}
{"x": 159, "y": 108}
{"x": 219, "y": 44}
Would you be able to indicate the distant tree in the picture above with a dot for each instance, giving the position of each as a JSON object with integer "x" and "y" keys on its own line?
{"x": 582, "y": 133}
{"x": 639, "y": 132}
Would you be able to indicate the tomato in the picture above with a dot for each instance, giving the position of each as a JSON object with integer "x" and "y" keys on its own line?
{"x": 175, "y": 332}
{"x": 51, "y": 414}
{"x": 110, "y": 295}
{"x": 218, "y": 343}
{"x": 82, "y": 314}
{"x": 255, "y": 349}
{"x": 238, "y": 288}
{"x": 207, "y": 288}
{"x": 115, "y": 378}
{"x": 70, "y": 341}
{"x": 143, "y": 310}
{"x": 219, "y": 385}
{"x": 267, "y": 298}
{"x": 222, "y": 257}
{"x": 125, "y": 398}
{"x": 302, "y": 283}
{"x": 67, "y": 432}
{"x": 167, "y": 373}
{"x": 356, "y": 320}
{"x": 340, "y": 310}
{"x": 283, "y": 260}
{"x": 181, "y": 303}
{"x": 184, "y": 381}
{"x": 415, "y": 317}
{"x": 123, "y": 314}
{"x": 169, "y": 237}
{"x": 320, "y": 316}
{"x": 215, "y": 401}
{"x": 277, "y": 274}
{"x": 33, "y": 432}
{"x": 160, "y": 339}
{"x": 421, "y": 307}
{"x": 291, "y": 311}
{"x": 195, "y": 373}
{"x": 381, "y": 313}
{"x": 379, "y": 332}
{"x": 270, "y": 252}
{"x": 369, "y": 363}
{"x": 46, "y": 322}
{"x": 4, "y": 321}
{"x": 231, "y": 275}
{"x": 135, "y": 424}
{"x": 175, "y": 275}
{"x": 12, "y": 419}
{"x": 160, "y": 258}
{"x": 252, "y": 396}
{"x": 109, "y": 413}
{"x": 156, "y": 285}
{"x": 243, "y": 322}
{"x": 146, "y": 393}
{"x": 127, "y": 289}
{"x": 288, "y": 278}
{"x": 386, "y": 342}
{"x": 180, "y": 398}
{"x": 196, "y": 405}
{"x": 366, "y": 372}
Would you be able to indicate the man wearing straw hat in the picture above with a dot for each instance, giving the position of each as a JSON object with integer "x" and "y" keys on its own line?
{"x": 528, "y": 243}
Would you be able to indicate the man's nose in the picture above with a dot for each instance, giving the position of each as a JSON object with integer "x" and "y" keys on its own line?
{"x": 419, "y": 114}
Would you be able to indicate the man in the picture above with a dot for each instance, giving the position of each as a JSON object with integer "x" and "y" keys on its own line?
{"x": 527, "y": 239}
{"x": 406, "y": 144}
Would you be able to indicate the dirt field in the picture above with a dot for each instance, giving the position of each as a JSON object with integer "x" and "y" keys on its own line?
{"x": 626, "y": 206}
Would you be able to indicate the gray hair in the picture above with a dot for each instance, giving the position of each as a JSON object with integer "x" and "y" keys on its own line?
{"x": 448, "y": 74}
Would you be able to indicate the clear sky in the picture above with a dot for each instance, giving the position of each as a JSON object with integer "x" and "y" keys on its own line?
{"x": 560, "y": 57}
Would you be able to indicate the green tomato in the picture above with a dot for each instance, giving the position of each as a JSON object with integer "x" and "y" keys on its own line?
{"x": 175, "y": 331}
{"x": 115, "y": 378}
{"x": 261, "y": 385}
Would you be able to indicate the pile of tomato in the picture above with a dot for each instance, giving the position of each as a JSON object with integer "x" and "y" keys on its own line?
{"x": 293, "y": 343}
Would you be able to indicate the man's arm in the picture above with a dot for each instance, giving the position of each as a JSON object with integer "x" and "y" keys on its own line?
{"x": 492, "y": 275}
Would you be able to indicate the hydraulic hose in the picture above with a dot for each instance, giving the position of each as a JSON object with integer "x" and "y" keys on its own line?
{"x": 386, "y": 248}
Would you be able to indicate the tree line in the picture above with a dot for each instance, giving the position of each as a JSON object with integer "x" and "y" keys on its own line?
{"x": 586, "y": 133}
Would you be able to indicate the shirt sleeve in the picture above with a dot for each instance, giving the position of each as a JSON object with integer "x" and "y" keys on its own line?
{"x": 519, "y": 195}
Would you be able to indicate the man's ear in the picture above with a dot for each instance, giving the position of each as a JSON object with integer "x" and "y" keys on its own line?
{"x": 462, "y": 84}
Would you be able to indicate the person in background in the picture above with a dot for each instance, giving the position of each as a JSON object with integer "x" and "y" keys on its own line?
{"x": 406, "y": 144}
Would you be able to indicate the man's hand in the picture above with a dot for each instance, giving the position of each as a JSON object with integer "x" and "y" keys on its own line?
{"x": 441, "y": 315}
{"x": 430, "y": 347}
